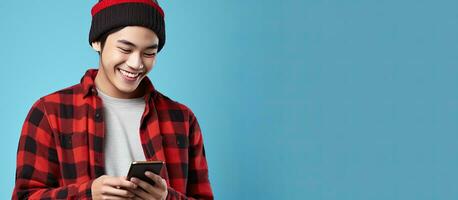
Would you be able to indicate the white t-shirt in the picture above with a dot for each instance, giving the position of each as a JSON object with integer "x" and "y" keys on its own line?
{"x": 122, "y": 133}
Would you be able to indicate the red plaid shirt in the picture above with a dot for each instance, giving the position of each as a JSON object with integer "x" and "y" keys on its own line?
{"x": 60, "y": 150}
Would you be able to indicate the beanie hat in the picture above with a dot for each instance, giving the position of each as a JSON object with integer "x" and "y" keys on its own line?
{"x": 111, "y": 14}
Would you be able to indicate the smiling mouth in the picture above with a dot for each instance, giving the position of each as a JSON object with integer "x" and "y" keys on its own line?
{"x": 129, "y": 74}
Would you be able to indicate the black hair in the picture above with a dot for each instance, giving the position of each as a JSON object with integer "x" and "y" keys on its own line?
{"x": 103, "y": 38}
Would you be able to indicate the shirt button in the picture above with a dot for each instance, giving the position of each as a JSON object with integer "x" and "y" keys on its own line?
{"x": 98, "y": 115}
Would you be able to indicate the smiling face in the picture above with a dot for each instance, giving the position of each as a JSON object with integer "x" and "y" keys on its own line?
{"x": 126, "y": 57}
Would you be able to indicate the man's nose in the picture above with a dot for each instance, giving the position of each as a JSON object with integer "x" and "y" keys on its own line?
{"x": 135, "y": 61}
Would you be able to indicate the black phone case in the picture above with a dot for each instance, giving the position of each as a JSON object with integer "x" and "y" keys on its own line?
{"x": 138, "y": 170}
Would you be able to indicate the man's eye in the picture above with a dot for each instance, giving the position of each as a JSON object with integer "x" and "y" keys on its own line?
{"x": 150, "y": 54}
{"x": 125, "y": 50}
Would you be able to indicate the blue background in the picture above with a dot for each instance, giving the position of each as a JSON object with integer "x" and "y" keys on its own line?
{"x": 322, "y": 99}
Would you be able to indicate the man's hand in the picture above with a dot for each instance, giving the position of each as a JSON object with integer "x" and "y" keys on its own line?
{"x": 145, "y": 191}
{"x": 110, "y": 187}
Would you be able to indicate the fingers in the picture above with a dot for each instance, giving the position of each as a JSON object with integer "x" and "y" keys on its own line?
{"x": 143, "y": 185}
{"x": 145, "y": 190}
{"x": 112, "y": 197}
{"x": 142, "y": 194}
{"x": 111, "y": 191}
{"x": 160, "y": 182}
{"x": 136, "y": 198}
{"x": 148, "y": 191}
{"x": 109, "y": 187}
{"x": 119, "y": 182}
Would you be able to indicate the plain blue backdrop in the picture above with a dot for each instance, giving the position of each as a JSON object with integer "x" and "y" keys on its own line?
{"x": 320, "y": 99}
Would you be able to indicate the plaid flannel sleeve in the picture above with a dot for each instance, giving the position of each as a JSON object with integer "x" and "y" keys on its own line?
{"x": 198, "y": 185}
{"x": 37, "y": 166}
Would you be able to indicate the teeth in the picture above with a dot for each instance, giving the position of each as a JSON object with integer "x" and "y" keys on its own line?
{"x": 128, "y": 74}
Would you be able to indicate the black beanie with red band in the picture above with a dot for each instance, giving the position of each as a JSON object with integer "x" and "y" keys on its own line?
{"x": 111, "y": 14}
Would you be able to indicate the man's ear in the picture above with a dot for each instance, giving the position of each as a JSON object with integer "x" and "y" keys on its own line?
{"x": 97, "y": 46}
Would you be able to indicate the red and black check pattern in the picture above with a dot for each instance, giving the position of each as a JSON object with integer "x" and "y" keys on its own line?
{"x": 60, "y": 150}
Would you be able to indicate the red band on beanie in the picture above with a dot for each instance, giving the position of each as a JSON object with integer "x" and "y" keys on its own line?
{"x": 107, "y": 3}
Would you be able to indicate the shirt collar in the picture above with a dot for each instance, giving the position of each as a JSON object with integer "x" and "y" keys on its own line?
{"x": 88, "y": 84}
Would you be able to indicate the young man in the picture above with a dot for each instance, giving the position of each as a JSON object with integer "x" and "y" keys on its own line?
{"x": 78, "y": 143}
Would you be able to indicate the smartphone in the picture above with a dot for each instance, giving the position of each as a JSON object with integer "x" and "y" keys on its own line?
{"x": 138, "y": 168}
